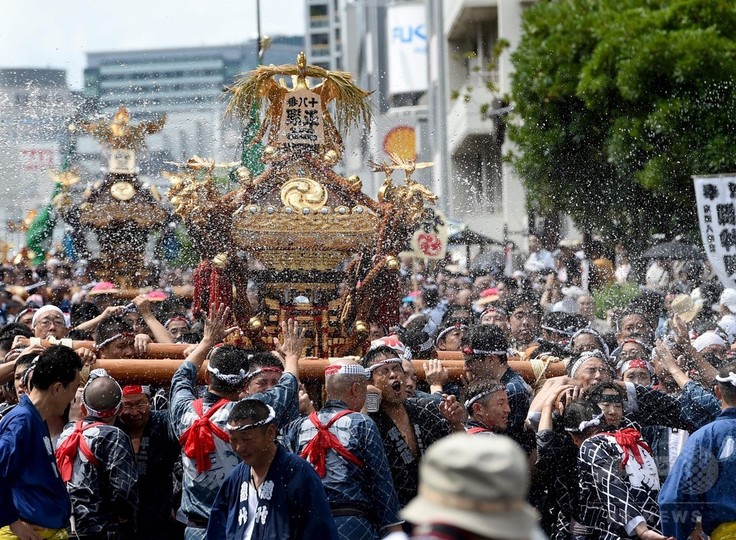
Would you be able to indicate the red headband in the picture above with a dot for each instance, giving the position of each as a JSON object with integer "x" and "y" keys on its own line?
{"x": 136, "y": 389}
{"x": 331, "y": 370}
{"x": 258, "y": 371}
{"x": 638, "y": 363}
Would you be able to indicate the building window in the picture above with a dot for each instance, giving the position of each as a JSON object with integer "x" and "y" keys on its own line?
{"x": 479, "y": 174}
{"x": 320, "y": 39}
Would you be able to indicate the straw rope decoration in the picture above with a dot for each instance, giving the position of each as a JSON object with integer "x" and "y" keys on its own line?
{"x": 351, "y": 102}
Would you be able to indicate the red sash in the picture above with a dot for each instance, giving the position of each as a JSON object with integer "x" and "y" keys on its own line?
{"x": 630, "y": 441}
{"x": 67, "y": 450}
{"x": 315, "y": 451}
{"x": 477, "y": 429}
{"x": 197, "y": 440}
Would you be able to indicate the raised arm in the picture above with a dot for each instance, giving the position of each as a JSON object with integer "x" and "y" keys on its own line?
{"x": 215, "y": 330}
{"x": 90, "y": 325}
{"x": 290, "y": 345}
{"x": 160, "y": 334}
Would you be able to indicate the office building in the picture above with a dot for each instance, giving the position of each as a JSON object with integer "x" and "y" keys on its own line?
{"x": 323, "y": 40}
{"x": 35, "y": 109}
{"x": 466, "y": 85}
{"x": 187, "y": 85}
{"x": 436, "y": 84}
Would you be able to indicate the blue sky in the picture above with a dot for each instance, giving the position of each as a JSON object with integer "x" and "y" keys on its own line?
{"x": 58, "y": 33}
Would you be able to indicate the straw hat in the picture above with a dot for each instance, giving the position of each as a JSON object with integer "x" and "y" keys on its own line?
{"x": 685, "y": 307}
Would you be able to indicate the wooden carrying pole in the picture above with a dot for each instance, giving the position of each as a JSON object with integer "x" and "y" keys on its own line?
{"x": 310, "y": 370}
{"x": 168, "y": 357}
{"x": 154, "y": 350}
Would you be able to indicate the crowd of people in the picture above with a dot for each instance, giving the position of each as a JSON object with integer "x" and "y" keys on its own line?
{"x": 636, "y": 440}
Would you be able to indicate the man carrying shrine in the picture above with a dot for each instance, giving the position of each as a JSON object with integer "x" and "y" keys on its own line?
{"x": 199, "y": 423}
{"x": 346, "y": 450}
{"x": 96, "y": 461}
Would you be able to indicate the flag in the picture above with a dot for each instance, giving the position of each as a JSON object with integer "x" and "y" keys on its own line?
{"x": 251, "y": 158}
{"x": 41, "y": 228}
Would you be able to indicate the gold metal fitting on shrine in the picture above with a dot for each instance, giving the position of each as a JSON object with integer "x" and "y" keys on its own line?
{"x": 220, "y": 260}
{"x": 331, "y": 157}
{"x": 361, "y": 327}
{"x": 356, "y": 184}
{"x": 255, "y": 324}
{"x": 392, "y": 263}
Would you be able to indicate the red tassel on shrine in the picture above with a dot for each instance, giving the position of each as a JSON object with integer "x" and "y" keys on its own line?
{"x": 221, "y": 289}
{"x": 201, "y": 278}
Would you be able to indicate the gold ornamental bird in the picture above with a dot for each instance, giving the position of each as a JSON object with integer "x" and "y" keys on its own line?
{"x": 408, "y": 166}
{"x": 66, "y": 178}
{"x": 120, "y": 134}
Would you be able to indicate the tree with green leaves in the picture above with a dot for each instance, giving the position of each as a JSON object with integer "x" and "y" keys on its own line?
{"x": 618, "y": 103}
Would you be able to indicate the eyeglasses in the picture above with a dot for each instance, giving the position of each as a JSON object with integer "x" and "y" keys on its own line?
{"x": 48, "y": 323}
{"x": 141, "y": 407}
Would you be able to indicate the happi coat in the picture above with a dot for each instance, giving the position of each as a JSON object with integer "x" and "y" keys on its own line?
{"x": 157, "y": 454}
{"x": 30, "y": 487}
{"x": 106, "y": 492}
{"x": 429, "y": 426}
{"x": 702, "y": 480}
{"x": 367, "y": 486}
{"x": 291, "y": 504}
{"x": 618, "y": 486}
{"x": 199, "y": 487}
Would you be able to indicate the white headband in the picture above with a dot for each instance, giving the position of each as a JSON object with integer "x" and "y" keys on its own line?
{"x": 492, "y": 390}
{"x": 109, "y": 340}
{"x": 383, "y": 363}
{"x": 584, "y": 357}
{"x": 567, "y": 332}
{"x": 232, "y": 378}
{"x": 730, "y": 379}
{"x": 28, "y": 371}
{"x": 585, "y": 424}
{"x": 627, "y": 365}
{"x": 270, "y": 418}
{"x": 100, "y": 373}
{"x": 392, "y": 342}
{"x": 425, "y": 346}
{"x": 448, "y": 330}
{"x": 596, "y": 335}
{"x": 483, "y": 352}
{"x": 346, "y": 369}
{"x": 258, "y": 371}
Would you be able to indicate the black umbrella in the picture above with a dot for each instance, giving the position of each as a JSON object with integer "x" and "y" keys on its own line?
{"x": 489, "y": 261}
{"x": 467, "y": 237}
{"x": 674, "y": 250}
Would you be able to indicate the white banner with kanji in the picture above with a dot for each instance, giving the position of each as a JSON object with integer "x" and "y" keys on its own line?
{"x": 716, "y": 200}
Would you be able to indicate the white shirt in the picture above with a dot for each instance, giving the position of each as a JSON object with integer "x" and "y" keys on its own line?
{"x": 539, "y": 261}
{"x": 676, "y": 441}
